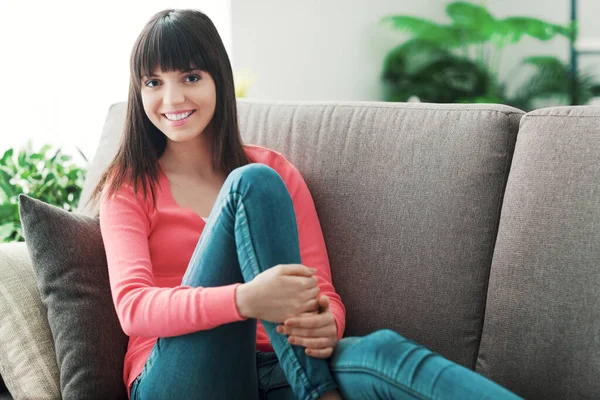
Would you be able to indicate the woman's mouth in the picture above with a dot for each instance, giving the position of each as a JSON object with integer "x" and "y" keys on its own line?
{"x": 178, "y": 119}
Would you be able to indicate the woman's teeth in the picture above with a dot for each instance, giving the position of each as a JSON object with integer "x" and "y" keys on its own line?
{"x": 177, "y": 117}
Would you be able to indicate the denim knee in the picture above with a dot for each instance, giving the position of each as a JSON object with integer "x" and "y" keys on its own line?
{"x": 259, "y": 177}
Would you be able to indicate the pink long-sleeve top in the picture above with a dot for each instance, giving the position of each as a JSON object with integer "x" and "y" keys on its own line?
{"x": 148, "y": 252}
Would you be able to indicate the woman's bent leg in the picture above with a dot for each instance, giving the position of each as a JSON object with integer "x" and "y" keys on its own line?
{"x": 385, "y": 365}
{"x": 252, "y": 227}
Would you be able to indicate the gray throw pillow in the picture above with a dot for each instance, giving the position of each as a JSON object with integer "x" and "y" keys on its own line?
{"x": 69, "y": 260}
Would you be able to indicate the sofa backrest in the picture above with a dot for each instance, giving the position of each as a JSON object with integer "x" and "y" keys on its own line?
{"x": 541, "y": 336}
{"x": 409, "y": 199}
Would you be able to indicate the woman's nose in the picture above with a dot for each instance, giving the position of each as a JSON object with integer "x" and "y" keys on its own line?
{"x": 173, "y": 95}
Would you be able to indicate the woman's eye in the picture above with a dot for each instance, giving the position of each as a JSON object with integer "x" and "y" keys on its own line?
{"x": 150, "y": 83}
{"x": 195, "y": 77}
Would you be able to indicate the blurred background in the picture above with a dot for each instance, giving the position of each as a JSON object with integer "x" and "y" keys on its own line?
{"x": 65, "y": 62}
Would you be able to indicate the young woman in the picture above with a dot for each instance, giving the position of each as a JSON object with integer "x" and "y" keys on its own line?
{"x": 217, "y": 263}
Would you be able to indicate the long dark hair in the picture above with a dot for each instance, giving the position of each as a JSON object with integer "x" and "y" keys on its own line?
{"x": 173, "y": 40}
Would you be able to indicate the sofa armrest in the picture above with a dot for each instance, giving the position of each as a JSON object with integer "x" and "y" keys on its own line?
{"x": 12, "y": 255}
{"x": 25, "y": 336}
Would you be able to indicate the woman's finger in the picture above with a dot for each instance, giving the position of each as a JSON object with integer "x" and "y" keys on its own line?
{"x": 319, "y": 353}
{"x": 311, "y": 307}
{"x": 324, "y": 331}
{"x": 312, "y": 343}
{"x": 312, "y": 321}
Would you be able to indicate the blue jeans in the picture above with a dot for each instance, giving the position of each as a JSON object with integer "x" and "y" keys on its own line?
{"x": 251, "y": 228}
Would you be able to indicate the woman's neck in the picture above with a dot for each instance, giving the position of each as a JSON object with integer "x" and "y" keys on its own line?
{"x": 192, "y": 158}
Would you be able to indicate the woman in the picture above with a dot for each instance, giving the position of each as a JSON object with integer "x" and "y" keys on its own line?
{"x": 217, "y": 263}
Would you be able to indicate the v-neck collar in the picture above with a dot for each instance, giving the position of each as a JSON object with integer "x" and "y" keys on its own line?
{"x": 163, "y": 178}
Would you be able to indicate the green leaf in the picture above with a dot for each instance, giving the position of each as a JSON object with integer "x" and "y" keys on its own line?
{"x": 45, "y": 148}
{"x": 426, "y": 30}
{"x": 8, "y": 211}
{"x": 7, "y": 155}
{"x": 411, "y": 56}
{"x": 514, "y": 28}
{"x": 474, "y": 19}
{"x": 21, "y": 159}
{"x": 545, "y": 62}
{"x": 5, "y": 185}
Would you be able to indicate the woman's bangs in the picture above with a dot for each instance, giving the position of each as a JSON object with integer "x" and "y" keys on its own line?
{"x": 168, "y": 48}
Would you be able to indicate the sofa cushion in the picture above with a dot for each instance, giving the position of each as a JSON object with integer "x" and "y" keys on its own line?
{"x": 409, "y": 199}
{"x": 541, "y": 336}
{"x": 27, "y": 358}
{"x": 68, "y": 257}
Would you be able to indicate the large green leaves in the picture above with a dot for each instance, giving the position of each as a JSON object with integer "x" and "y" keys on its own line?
{"x": 458, "y": 62}
{"x": 550, "y": 80}
{"x": 474, "y": 24}
{"x": 421, "y": 68}
{"x": 47, "y": 175}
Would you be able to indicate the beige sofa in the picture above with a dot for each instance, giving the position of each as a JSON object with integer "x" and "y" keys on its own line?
{"x": 472, "y": 229}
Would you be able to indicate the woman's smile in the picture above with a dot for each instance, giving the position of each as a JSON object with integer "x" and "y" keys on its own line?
{"x": 178, "y": 119}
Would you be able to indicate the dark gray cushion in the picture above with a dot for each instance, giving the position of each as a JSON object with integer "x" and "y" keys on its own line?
{"x": 409, "y": 199}
{"x": 541, "y": 336}
{"x": 68, "y": 257}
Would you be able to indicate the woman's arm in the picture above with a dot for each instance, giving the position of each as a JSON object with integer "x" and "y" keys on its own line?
{"x": 142, "y": 308}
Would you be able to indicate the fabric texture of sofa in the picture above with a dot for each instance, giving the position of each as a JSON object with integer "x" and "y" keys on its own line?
{"x": 472, "y": 229}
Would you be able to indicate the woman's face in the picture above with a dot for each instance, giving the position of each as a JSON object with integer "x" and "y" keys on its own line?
{"x": 180, "y": 104}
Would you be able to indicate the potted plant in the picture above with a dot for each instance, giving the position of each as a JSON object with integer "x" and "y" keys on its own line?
{"x": 47, "y": 175}
{"x": 459, "y": 62}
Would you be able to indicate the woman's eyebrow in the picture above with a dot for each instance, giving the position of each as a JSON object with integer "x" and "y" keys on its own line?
{"x": 183, "y": 71}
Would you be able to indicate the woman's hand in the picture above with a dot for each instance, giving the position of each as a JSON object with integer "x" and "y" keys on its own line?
{"x": 315, "y": 331}
{"x": 279, "y": 293}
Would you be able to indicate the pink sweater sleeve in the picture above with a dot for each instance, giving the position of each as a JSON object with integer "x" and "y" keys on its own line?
{"x": 313, "y": 251}
{"x": 143, "y": 309}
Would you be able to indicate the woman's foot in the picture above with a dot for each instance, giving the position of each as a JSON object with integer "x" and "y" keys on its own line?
{"x": 331, "y": 395}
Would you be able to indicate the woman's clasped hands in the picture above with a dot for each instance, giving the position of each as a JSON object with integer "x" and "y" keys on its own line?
{"x": 289, "y": 294}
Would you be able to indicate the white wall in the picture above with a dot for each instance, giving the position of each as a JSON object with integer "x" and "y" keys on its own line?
{"x": 65, "y": 62}
{"x": 334, "y": 50}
